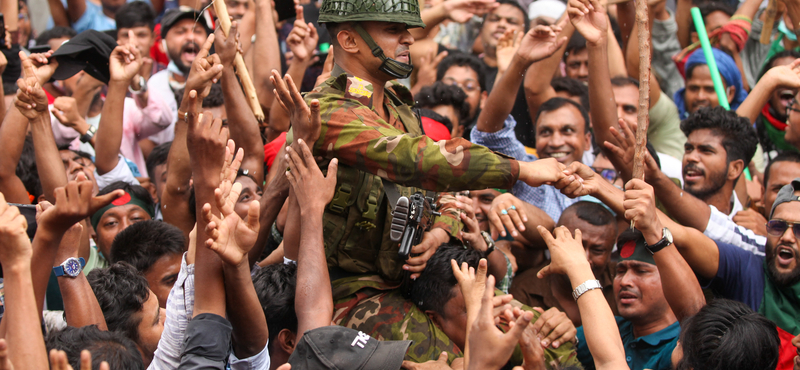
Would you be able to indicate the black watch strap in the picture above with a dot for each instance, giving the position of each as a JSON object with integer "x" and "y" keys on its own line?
{"x": 85, "y": 138}
{"x": 666, "y": 241}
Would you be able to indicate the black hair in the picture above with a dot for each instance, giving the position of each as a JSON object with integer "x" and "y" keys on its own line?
{"x": 214, "y": 99}
{"x": 629, "y": 234}
{"x": 442, "y": 94}
{"x": 690, "y": 72}
{"x": 519, "y": 7}
{"x": 572, "y": 87}
{"x": 708, "y": 7}
{"x": 109, "y": 346}
{"x": 137, "y": 190}
{"x": 27, "y": 171}
{"x": 621, "y": 81}
{"x": 334, "y": 28}
{"x": 728, "y": 335}
{"x": 121, "y": 292}
{"x": 738, "y": 136}
{"x": 460, "y": 59}
{"x": 275, "y": 287}
{"x": 157, "y": 157}
{"x": 787, "y": 156}
{"x": 56, "y": 32}
{"x": 557, "y": 103}
{"x": 434, "y": 287}
{"x": 771, "y": 62}
{"x": 143, "y": 243}
{"x": 575, "y": 44}
{"x": 591, "y": 212}
{"x": 135, "y": 14}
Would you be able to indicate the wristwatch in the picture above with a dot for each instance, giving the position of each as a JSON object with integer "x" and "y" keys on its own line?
{"x": 585, "y": 287}
{"x": 489, "y": 242}
{"x": 142, "y": 86}
{"x": 665, "y": 241}
{"x": 85, "y": 138}
{"x": 71, "y": 267}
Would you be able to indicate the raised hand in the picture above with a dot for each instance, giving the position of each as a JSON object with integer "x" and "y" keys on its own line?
{"x": 463, "y": 10}
{"x": 313, "y": 190}
{"x": 65, "y": 108}
{"x": 507, "y": 46}
{"x": 426, "y": 71}
{"x": 440, "y": 364}
{"x": 44, "y": 67}
{"x": 640, "y": 206}
{"x": 206, "y": 70}
{"x": 31, "y": 99}
{"x": 624, "y": 150}
{"x": 303, "y": 38}
{"x": 15, "y": 247}
{"x": 59, "y": 361}
{"x": 327, "y": 68}
{"x": 124, "y": 63}
{"x": 554, "y": 327}
{"x": 227, "y": 176}
{"x": 566, "y": 252}
{"x": 472, "y": 284}
{"x": 227, "y": 47}
{"x": 207, "y": 139}
{"x": 306, "y": 122}
{"x": 507, "y": 213}
{"x": 231, "y": 238}
{"x": 539, "y": 43}
{"x": 471, "y": 234}
{"x": 546, "y": 171}
{"x": 532, "y": 351}
{"x": 787, "y": 76}
{"x": 589, "y": 18}
{"x": 75, "y": 203}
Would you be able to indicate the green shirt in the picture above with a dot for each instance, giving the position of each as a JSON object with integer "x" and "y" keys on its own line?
{"x": 651, "y": 352}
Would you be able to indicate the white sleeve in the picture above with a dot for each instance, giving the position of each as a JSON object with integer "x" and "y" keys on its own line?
{"x": 257, "y": 362}
{"x": 180, "y": 307}
{"x": 722, "y": 229}
{"x": 120, "y": 173}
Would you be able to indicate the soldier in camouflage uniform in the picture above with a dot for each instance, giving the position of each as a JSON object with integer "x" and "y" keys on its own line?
{"x": 368, "y": 124}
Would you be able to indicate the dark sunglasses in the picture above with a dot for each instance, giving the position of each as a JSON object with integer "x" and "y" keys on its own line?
{"x": 609, "y": 174}
{"x": 778, "y": 227}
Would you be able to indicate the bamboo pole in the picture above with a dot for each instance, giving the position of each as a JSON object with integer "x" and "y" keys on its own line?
{"x": 643, "y": 118}
{"x": 241, "y": 69}
{"x": 769, "y": 22}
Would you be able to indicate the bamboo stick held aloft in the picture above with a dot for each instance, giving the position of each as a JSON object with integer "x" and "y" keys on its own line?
{"x": 241, "y": 69}
{"x": 643, "y": 118}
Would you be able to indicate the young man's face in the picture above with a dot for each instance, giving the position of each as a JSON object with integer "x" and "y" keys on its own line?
{"x": 700, "y": 91}
{"x": 159, "y": 178}
{"x": 250, "y": 192}
{"x": 705, "y": 163}
{"x": 793, "y": 121}
{"x": 75, "y": 164}
{"x": 114, "y": 221}
{"x": 627, "y": 100}
{"x": 598, "y": 241}
{"x": 782, "y": 253}
{"x": 482, "y": 203}
{"x": 143, "y": 38}
{"x": 151, "y": 325}
{"x": 780, "y": 174}
{"x": 183, "y": 43}
{"x": 578, "y": 65}
{"x": 161, "y": 276}
{"x": 561, "y": 134}
{"x": 504, "y": 17}
{"x": 779, "y": 98}
{"x": 237, "y": 8}
{"x": 638, "y": 293}
{"x": 467, "y": 79}
{"x": 393, "y": 38}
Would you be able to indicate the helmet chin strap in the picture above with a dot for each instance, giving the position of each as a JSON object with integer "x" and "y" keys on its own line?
{"x": 389, "y": 66}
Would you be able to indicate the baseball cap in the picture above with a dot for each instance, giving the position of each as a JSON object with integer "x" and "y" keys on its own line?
{"x": 786, "y": 194}
{"x": 88, "y": 51}
{"x": 337, "y": 347}
{"x": 184, "y": 12}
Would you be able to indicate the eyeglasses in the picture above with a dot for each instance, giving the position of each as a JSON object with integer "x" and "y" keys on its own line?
{"x": 778, "y": 227}
{"x": 468, "y": 86}
{"x": 609, "y": 174}
{"x": 791, "y": 107}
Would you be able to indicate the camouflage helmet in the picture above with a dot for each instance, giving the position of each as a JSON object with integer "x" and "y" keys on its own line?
{"x": 400, "y": 11}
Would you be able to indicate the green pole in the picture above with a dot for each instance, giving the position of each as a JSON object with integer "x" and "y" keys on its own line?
{"x": 712, "y": 63}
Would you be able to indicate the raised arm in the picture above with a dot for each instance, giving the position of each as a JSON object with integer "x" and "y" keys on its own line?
{"x": 80, "y": 304}
{"x": 683, "y": 17}
{"x": 59, "y": 13}
{"x": 678, "y": 281}
{"x": 124, "y": 63}
{"x": 243, "y": 125}
{"x": 537, "y": 85}
{"x": 787, "y": 76}
{"x": 568, "y": 257}
{"x": 313, "y": 299}
{"x": 539, "y": 43}
{"x": 75, "y": 9}
{"x": 266, "y": 51}
{"x": 459, "y": 11}
{"x": 231, "y": 238}
{"x": 632, "y": 53}
{"x": 26, "y": 348}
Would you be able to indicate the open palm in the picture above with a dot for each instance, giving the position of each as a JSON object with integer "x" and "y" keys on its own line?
{"x": 540, "y": 43}
{"x": 231, "y": 238}
{"x": 589, "y": 18}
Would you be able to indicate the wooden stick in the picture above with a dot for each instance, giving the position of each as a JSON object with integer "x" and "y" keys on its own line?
{"x": 643, "y": 118}
{"x": 769, "y": 21}
{"x": 241, "y": 69}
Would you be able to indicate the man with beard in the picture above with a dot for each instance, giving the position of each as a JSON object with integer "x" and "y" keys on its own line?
{"x": 181, "y": 37}
{"x": 769, "y": 285}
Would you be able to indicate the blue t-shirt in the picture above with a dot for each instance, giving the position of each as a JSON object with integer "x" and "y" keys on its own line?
{"x": 94, "y": 19}
{"x": 652, "y": 351}
{"x": 740, "y": 276}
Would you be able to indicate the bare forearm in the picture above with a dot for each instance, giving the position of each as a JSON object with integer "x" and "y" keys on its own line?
{"x": 680, "y": 284}
{"x": 244, "y": 312}
{"x": 603, "y": 114}
{"x": 684, "y": 207}
{"x": 272, "y": 201}
{"x": 26, "y": 348}
{"x": 175, "y": 198}
{"x": 431, "y": 17}
{"x": 80, "y": 304}
{"x": 45, "y": 248}
{"x": 265, "y": 50}
{"x": 58, "y": 13}
{"x": 244, "y": 127}
{"x": 758, "y": 97}
{"x": 313, "y": 299}
{"x": 49, "y": 166}
{"x": 616, "y": 59}
{"x": 536, "y": 217}
{"x": 109, "y": 132}
{"x": 537, "y": 85}
{"x": 683, "y": 19}
{"x": 12, "y": 135}
{"x": 501, "y": 99}
{"x": 209, "y": 282}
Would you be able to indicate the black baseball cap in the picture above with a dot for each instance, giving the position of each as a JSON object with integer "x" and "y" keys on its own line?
{"x": 786, "y": 194}
{"x": 337, "y": 347}
{"x": 184, "y": 12}
{"x": 88, "y": 51}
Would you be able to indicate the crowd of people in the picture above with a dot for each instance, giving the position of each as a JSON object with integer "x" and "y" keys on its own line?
{"x": 387, "y": 184}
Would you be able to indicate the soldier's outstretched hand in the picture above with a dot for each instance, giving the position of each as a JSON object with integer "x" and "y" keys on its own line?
{"x": 305, "y": 121}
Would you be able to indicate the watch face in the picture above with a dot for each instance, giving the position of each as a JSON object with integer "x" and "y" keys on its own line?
{"x": 72, "y": 267}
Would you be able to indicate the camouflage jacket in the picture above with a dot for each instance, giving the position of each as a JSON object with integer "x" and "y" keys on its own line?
{"x": 370, "y": 149}
{"x": 375, "y": 307}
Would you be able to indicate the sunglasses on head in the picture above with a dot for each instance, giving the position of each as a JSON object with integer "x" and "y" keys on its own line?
{"x": 778, "y": 227}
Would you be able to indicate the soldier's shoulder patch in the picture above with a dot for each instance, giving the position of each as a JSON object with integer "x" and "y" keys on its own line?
{"x": 358, "y": 88}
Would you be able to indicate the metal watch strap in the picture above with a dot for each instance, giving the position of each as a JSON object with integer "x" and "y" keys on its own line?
{"x": 85, "y": 138}
{"x": 585, "y": 287}
{"x": 490, "y": 246}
